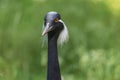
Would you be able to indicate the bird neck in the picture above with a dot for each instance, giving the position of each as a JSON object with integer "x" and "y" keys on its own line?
{"x": 53, "y": 63}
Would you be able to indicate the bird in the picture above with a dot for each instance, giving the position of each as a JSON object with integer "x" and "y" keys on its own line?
{"x": 57, "y": 34}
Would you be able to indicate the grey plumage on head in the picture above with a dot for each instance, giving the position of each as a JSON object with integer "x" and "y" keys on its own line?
{"x": 63, "y": 36}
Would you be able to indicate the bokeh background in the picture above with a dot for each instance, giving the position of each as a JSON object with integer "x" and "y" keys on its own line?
{"x": 93, "y": 49}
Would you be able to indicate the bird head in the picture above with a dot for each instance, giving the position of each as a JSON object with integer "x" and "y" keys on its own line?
{"x": 53, "y": 24}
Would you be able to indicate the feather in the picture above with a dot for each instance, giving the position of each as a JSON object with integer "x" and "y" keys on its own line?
{"x": 63, "y": 37}
{"x": 44, "y": 38}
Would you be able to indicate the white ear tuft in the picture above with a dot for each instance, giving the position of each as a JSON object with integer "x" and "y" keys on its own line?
{"x": 44, "y": 38}
{"x": 63, "y": 37}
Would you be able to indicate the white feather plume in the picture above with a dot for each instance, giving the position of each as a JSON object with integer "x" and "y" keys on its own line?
{"x": 63, "y": 37}
{"x": 44, "y": 38}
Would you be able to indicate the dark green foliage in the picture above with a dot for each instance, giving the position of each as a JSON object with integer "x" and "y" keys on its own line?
{"x": 92, "y": 52}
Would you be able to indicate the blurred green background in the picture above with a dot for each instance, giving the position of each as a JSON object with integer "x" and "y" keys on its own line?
{"x": 93, "y": 49}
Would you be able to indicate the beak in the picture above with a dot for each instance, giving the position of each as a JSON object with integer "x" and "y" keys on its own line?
{"x": 47, "y": 28}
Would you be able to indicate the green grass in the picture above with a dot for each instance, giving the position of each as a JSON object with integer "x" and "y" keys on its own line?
{"x": 92, "y": 52}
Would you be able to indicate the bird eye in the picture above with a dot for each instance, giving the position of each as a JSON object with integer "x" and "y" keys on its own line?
{"x": 56, "y": 20}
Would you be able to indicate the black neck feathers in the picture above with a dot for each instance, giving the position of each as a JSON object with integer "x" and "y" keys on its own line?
{"x": 53, "y": 63}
